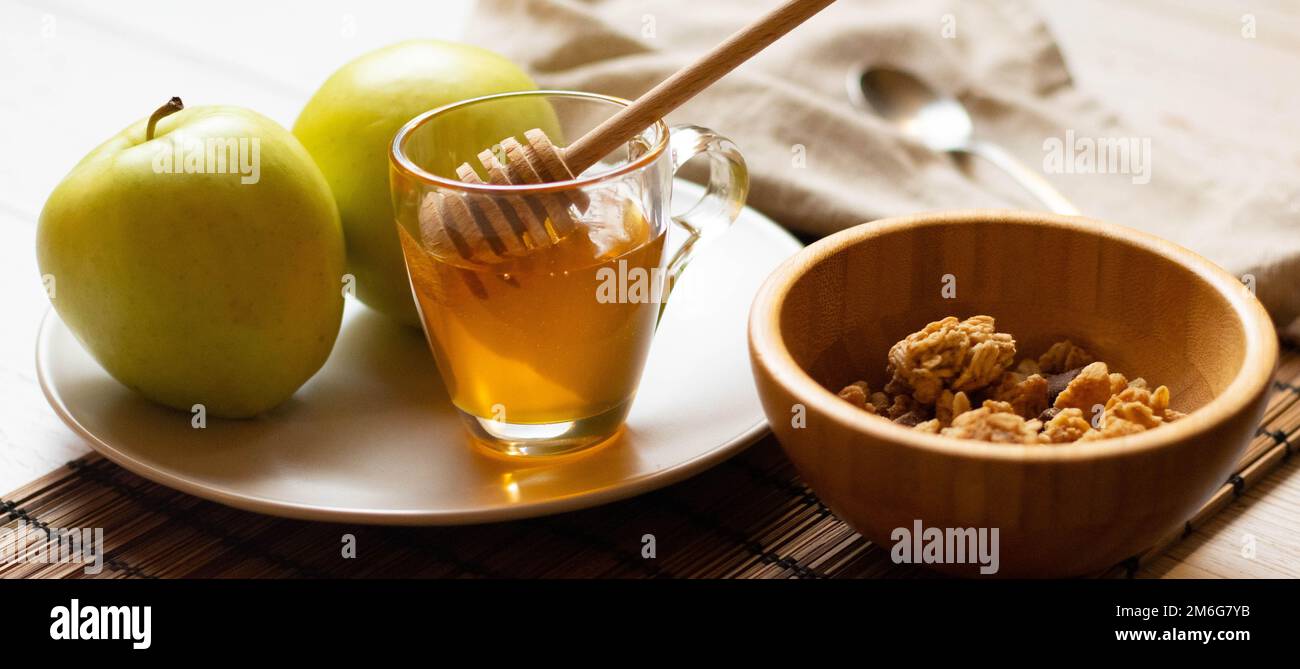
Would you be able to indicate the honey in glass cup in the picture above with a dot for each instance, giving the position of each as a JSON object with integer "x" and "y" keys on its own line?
{"x": 541, "y": 350}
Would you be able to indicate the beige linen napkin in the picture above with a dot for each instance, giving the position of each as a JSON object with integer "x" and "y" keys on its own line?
{"x": 820, "y": 165}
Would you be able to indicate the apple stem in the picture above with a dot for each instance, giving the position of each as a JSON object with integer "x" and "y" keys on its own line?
{"x": 173, "y": 105}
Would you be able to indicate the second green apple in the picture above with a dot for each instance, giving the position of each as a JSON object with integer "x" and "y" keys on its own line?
{"x": 349, "y": 124}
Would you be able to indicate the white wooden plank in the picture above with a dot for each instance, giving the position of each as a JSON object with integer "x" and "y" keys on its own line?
{"x": 77, "y": 73}
{"x": 32, "y": 438}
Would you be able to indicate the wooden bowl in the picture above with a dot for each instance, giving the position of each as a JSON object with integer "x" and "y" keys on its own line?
{"x": 1145, "y": 306}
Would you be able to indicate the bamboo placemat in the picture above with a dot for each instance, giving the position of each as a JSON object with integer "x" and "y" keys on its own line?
{"x": 749, "y": 517}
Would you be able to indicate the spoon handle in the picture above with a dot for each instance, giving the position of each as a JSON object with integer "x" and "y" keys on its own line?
{"x": 1031, "y": 180}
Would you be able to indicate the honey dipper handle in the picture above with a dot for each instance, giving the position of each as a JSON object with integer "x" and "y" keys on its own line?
{"x": 685, "y": 83}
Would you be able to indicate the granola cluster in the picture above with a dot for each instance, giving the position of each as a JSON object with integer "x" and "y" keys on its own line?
{"x": 957, "y": 378}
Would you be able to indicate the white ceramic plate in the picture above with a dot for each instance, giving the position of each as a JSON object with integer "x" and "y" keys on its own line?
{"x": 372, "y": 437}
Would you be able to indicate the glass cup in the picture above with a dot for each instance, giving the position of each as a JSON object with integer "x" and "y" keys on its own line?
{"x": 539, "y": 301}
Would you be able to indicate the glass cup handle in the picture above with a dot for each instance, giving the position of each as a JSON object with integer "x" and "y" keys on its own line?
{"x": 724, "y": 195}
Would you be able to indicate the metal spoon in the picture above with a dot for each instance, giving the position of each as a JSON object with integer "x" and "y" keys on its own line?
{"x": 942, "y": 124}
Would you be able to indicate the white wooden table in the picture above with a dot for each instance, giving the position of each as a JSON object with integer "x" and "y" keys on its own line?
{"x": 75, "y": 73}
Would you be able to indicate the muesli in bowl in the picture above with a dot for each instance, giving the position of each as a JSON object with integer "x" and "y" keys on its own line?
{"x": 959, "y": 378}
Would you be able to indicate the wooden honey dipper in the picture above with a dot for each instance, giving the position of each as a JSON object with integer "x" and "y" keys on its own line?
{"x": 486, "y": 228}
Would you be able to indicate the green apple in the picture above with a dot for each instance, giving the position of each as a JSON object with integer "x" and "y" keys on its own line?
{"x": 200, "y": 262}
{"x": 349, "y": 124}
